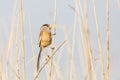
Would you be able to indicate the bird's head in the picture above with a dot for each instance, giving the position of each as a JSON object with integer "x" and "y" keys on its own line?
{"x": 48, "y": 25}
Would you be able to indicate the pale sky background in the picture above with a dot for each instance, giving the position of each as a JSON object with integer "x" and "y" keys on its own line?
{"x": 39, "y": 12}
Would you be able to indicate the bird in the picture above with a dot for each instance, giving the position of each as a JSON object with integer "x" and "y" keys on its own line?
{"x": 45, "y": 39}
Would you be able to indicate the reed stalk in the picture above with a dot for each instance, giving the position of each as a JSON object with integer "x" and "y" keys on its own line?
{"x": 23, "y": 49}
{"x": 107, "y": 40}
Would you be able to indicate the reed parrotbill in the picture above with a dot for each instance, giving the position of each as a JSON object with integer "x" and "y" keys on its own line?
{"x": 45, "y": 40}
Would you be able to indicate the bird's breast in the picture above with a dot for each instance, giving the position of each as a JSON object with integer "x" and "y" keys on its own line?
{"x": 45, "y": 39}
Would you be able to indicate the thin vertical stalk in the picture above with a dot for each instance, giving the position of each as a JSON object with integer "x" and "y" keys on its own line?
{"x": 54, "y": 26}
{"x": 107, "y": 40}
{"x": 53, "y": 39}
{"x": 50, "y": 72}
{"x": 99, "y": 42}
{"x": 31, "y": 39}
{"x": 87, "y": 41}
{"x": 17, "y": 48}
{"x": 0, "y": 69}
{"x": 6, "y": 71}
{"x": 57, "y": 71}
{"x": 17, "y": 51}
{"x": 55, "y": 16}
{"x": 23, "y": 49}
{"x": 17, "y": 67}
{"x": 10, "y": 42}
{"x": 73, "y": 44}
{"x": 118, "y": 2}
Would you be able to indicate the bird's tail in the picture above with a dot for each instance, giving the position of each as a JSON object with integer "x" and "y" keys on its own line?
{"x": 38, "y": 59}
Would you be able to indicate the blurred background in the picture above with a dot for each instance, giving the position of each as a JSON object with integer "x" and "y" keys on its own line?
{"x": 69, "y": 63}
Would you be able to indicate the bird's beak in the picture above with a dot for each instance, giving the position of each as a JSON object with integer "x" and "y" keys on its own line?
{"x": 50, "y": 26}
